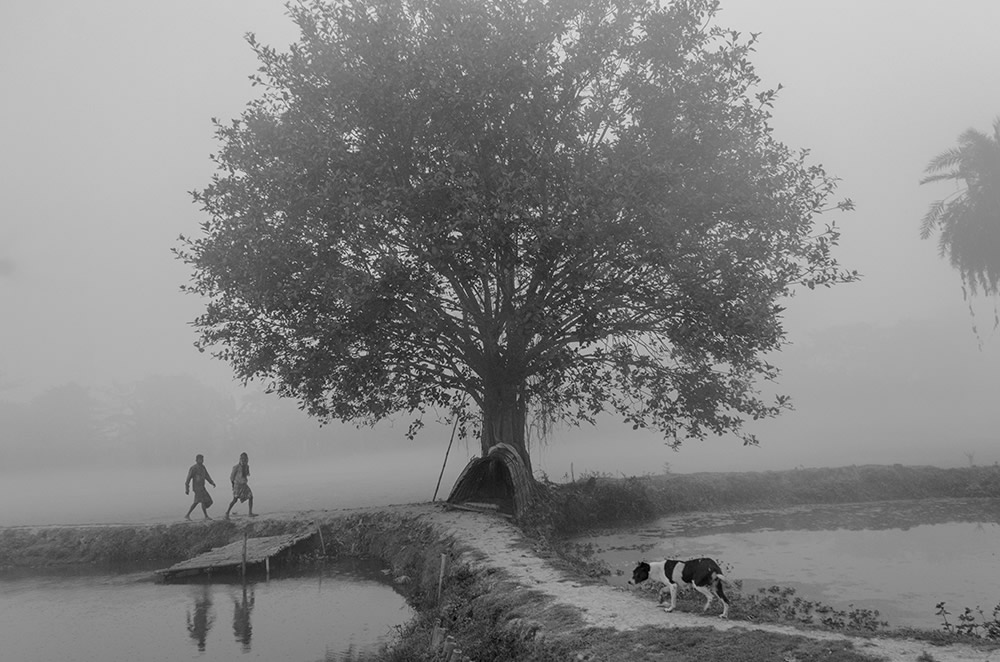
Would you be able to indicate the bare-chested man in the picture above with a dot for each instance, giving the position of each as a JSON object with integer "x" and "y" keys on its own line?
{"x": 197, "y": 477}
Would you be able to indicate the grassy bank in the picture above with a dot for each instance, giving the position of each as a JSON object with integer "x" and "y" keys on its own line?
{"x": 109, "y": 546}
{"x": 600, "y": 501}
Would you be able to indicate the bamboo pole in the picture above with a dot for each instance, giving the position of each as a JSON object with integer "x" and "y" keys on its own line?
{"x": 322, "y": 545}
{"x": 445, "y": 463}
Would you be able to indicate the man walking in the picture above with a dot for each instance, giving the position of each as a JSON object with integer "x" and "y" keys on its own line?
{"x": 240, "y": 478}
{"x": 197, "y": 477}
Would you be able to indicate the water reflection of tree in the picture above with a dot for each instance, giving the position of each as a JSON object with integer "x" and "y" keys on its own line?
{"x": 242, "y": 629}
{"x": 200, "y": 621}
{"x": 350, "y": 654}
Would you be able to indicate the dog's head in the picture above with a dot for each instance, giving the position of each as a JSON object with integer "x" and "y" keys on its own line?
{"x": 640, "y": 574}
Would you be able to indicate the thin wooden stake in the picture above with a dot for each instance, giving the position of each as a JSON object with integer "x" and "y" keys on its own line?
{"x": 243, "y": 565}
{"x": 437, "y": 637}
{"x": 441, "y": 578}
{"x": 267, "y": 567}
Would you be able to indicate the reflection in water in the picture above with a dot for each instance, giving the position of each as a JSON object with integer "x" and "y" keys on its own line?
{"x": 242, "y": 629}
{"x": 341, "y": 612}
{"x": 201, "y": 621}
{"x": 350, "y": 654}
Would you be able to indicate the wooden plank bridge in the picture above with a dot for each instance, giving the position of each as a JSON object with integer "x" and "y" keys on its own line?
{"x": 240, "y": 553}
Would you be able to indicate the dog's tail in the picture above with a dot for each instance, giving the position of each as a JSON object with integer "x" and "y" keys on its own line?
{"x": 720, "y": 580}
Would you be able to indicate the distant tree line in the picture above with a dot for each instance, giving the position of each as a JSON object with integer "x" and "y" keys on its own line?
{"x": 158, "y": 419}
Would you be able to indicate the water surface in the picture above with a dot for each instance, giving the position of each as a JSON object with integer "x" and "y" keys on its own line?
{"x": 900, "y": 557}
{"x": 330, "y": 615}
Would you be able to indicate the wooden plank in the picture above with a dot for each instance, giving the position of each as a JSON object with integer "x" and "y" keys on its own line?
{"x": 258, "y": 549}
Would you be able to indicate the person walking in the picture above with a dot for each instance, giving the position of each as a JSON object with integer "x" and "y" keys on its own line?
{"x": 239, "y": 477}
{"x": 197, "y": 477}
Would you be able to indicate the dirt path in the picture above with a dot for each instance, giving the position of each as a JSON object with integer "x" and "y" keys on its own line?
{"x": 502, "y": 546}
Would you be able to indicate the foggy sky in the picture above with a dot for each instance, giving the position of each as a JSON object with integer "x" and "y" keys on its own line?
{"x": 106, "y": 126}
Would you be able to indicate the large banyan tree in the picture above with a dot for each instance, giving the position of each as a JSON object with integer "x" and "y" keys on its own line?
{"x": 485, "y": 210}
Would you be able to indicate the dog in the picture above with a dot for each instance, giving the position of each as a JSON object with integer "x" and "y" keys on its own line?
{"x": 704, "y": 575}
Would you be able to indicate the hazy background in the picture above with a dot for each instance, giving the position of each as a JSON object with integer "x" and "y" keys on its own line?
{"x": 105, "y": 127}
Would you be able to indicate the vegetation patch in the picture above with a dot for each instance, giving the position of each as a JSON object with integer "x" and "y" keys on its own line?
{"x": 599, "y": 501}
{"x": 970, "y": 622}
{"x": 649, "y": 644}
{"x": 591, "y": 502}
{"x": 779, "y": 604}
{"x": 109, "y": 545}
{"x": 852, "y": 484}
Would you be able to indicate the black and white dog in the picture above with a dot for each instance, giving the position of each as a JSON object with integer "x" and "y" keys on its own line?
{"x": 704, "y": 574}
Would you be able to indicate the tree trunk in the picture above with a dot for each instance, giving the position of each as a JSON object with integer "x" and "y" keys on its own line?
{"x": 503, "y": 421}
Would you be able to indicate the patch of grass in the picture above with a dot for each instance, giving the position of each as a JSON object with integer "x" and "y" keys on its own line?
{"x": 599, "y": 501}
{"x": 489, "y": 619}
{"x": 853, "y": 484}
{"x": 581, "y": 559}
{"x": 110, "y": 545}
{"x": 939, "y": 637}
{"x": 971, "y": 622}
{"x": 654, "y": 644}
{"x": 778, "y": 604}
{"x": 592, "y": 502}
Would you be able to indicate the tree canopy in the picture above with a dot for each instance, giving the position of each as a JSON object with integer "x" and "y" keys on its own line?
{"x": 495, "y": 210}
{"x": 969, "y": 219}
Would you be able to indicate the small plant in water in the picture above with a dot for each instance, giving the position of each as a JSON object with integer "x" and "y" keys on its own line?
{"x": 584, "y": 557}
{"x": 971, "y": 622}
{"x": 779, "y": 603}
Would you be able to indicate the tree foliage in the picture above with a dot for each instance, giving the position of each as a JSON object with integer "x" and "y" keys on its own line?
{"x": 493, "y": 209}
{"x": 969, "y": 219}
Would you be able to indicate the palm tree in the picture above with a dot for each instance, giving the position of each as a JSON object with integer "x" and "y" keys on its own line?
{"x": 969, "y": 219}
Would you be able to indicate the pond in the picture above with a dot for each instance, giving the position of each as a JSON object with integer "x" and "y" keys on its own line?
{"x": 332, "y": 615}
{"x": 899, "y": 557}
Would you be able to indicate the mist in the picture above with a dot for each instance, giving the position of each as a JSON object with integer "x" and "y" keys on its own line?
{"x": 104, "y": 401}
